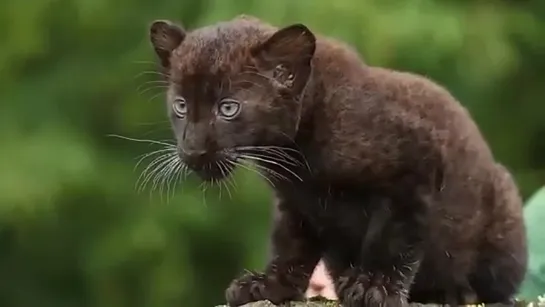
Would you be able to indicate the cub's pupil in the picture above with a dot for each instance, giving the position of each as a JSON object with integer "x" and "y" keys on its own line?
{"x": 229, "y": 109}
{"x": 181, "y": 104}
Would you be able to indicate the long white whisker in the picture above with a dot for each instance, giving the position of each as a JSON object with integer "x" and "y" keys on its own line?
{"x": 272, "y": 172}
{"x": 159, "y": 179}
{"x": 162, "y": 82}
{"x": 235, "y": 163}
{"x": 156, "y": 160}
{"x": 152, "y": 175}
{"x": 144, "y": 156}
{"x": 141, "y": 140}
{"x": 165, "y": 176}
{"x": 216, "y": 182}
{"x": 185, "y": 172}
{"x": 204, "y": 187}
{"x": 280, "y": 151}
{"x": 155, "y": 96}
{"x": 163, "y": 86}
{"x": 272, "y": 162}
{"x": 280, "y": 159}
{"x": 171, "y": 183}
{"x": 150, "y": 72}
{"x": 221, "y": 167}
{"x": 174, "y": 177}
{"x": 231, "y": 180}
{"x": 298, "y": 150}
{"x": 145, "y": 173}
{"x": 267, "y": 147}
{"x": 285, "y": 155}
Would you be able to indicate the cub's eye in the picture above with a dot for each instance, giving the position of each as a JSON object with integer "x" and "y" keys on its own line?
{"x": 229, "y": 108}
{"x": 180, "y": 107}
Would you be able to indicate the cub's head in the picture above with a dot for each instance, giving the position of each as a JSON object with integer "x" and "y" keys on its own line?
{"x": 233, "y": 86}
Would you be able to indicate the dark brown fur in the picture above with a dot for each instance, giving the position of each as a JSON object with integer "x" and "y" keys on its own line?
{"x": 383, "y": 174}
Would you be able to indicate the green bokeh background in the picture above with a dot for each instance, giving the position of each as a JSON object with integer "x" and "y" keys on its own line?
{"x": 74, "y": 232}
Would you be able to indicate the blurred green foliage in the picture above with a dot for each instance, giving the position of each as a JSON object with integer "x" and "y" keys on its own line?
{"x": 73, "y": 230}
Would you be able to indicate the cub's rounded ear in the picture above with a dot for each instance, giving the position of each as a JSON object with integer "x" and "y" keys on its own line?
{"x": 292, "y": 44}
{"x": 165, "y": 36}
{"x": 286, "y": 55}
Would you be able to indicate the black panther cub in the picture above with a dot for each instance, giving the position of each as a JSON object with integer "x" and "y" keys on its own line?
{"x": 381, "y": 173}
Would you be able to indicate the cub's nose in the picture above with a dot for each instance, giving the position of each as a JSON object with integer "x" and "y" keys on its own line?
{"x": 194, "y": 158}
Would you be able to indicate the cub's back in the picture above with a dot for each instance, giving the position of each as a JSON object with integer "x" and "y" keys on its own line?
{"x": 382, "y": 119}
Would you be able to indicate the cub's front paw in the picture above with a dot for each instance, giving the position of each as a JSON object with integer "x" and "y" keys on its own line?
{"x": 358, "y": 296}
{"x": 253, "y": 287}
{"x": 358, "y": 290}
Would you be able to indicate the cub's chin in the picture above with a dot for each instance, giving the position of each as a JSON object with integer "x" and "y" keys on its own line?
{"x": 214, "y": 171}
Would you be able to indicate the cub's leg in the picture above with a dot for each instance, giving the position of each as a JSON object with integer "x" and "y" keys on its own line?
{"x": 391, "y": 252}
{"x": 295, "y": 253}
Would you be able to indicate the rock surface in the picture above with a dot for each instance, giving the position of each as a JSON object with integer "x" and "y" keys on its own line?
{"x": 327, "y": 303}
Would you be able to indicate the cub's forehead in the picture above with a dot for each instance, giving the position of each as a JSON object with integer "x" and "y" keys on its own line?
{"x": 221, "y": 49}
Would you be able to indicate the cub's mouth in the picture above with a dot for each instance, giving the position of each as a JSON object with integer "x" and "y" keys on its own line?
{"x": 214, "y": 171}
{"x": 280, "y": 163}
{"x": 208, "y": 166}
